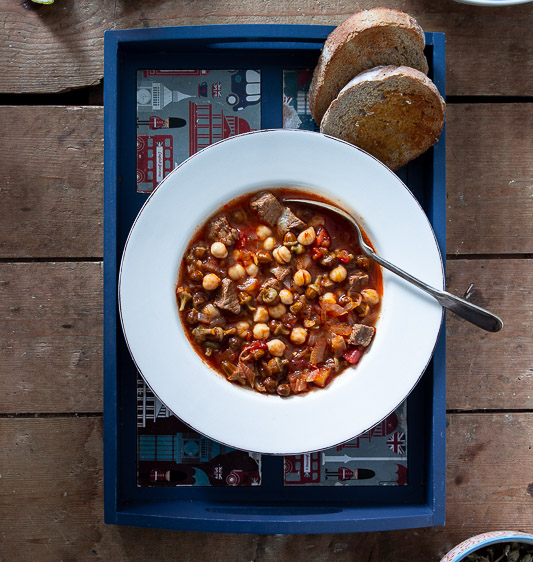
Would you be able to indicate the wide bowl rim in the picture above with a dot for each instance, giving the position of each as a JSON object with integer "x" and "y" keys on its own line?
{"x": 261, "y": 450}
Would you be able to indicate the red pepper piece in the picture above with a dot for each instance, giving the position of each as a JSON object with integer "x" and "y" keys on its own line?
{"x": 255, "y": 345}
{"x": 353, "y": 356}
{"x": 242, "y": 240}
{"x": 317, "y": 253}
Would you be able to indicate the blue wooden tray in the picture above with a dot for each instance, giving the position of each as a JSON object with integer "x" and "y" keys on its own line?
{"x": 271, "y": 507}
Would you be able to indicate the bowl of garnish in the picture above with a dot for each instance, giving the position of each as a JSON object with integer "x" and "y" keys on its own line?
{"x": 249, "y": 307}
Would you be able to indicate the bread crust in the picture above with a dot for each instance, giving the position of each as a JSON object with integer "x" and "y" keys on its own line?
{"x": 393, "y": 113}
{"x": 376, "y": 37}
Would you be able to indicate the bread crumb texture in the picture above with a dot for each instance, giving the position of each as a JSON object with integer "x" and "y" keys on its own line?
{"x": 376, "y": 37}
{"x": 393, "y": 113}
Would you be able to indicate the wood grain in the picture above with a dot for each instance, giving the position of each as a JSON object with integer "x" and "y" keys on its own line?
{"x": 51, "y": 185}
{"x": 51, "y": 342}
{"x": 51, "y": 346}
{"x": 52, "y": 482}
{"x": 487, "y": 370}
{"x": 60, "y": 47}
{"x": 489, "y": 178}
{"x": 52, "y": 205}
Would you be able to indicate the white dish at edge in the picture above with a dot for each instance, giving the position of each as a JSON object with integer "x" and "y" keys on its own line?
{"x": 493, "y": 3}
{"x": 358, "y": 398}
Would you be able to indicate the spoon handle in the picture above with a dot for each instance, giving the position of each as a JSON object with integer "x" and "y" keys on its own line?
{"x": 467, "y": 310}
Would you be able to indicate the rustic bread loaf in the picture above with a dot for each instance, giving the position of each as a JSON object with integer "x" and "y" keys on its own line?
{"x": 394, "y": 113}
{"x": 377, "y": 37}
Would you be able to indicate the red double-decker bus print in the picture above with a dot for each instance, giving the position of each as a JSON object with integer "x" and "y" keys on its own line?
{"x": 208, "y": 125}
{"x": 154, "y": 160}
{"x": 304, "y": 469}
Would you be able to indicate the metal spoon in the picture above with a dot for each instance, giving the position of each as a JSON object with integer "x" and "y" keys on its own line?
{"x": 471, "y": 312}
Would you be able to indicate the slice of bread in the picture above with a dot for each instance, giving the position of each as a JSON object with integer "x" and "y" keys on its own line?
{"x": 394, "y": 113}
{"x": 377, "y": 37}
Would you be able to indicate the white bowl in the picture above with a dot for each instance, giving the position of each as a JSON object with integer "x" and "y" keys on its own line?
{"x": 356, "y": 400}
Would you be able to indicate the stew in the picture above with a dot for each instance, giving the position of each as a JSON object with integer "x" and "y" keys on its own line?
{"x": 278, "y": 298}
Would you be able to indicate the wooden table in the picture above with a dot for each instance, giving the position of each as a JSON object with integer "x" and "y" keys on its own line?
{"x": 51, "y": 150}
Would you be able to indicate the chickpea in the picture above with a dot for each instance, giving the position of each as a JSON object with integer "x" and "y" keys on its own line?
{"x": 269, "y": 244}
{"x": 286, "y": 297}
{"x": 263, "y": 232}
{"x": 261, "y": 314}
{"x": 211, "y": 282}
{"x": 302, "y": 277}
{"x": 298, "y": 335}
{"x": 261, "y": 331}
{"x": 282, "y": 254}
{"x": 252, "y": 270}
{"x": 211, "y": 311}
{"x": 243, "y": 328}
{"x": 219, "y": 250}
{"x": 278, "y": 310}
{"x": 307, "y": 236}
{"x": 236, "y": 272}
{"x": 330, "y": 298}
{"x": 338, "y": 274}
{"x": 276, "y": 348}
{"x": 370, "y": 296}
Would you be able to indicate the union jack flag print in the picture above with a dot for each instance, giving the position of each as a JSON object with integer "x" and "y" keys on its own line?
{"x": 216, "y": 90}
{"x": 397, "y": 443}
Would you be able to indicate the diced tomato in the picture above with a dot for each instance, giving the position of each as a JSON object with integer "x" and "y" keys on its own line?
{"x": 343, "y": 256}
{"x": 254, "y": 346}
{"x": 241, "y": 242}
{"x": 323, "y": 239}
{"x": 317, "y": 253}
{"x": 319, "y": 376}
{"x": 353, "y": 356}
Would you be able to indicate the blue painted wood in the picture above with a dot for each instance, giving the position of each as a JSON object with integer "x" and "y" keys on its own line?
{"x": 270, "y": 508}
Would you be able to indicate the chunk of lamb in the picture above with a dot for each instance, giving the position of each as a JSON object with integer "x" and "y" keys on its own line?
{"x": 356, "y": 282}
{"x": 220, "y": 230}
{"x": 280, "y": 272}
{"x": 289, "y": 221}
{"x": 270, "y": 211}
{"x": 361, "y": 335}
{"x": 271, "y": 283}
{"x": 227, "y": 298}
{"x": 267, "y": 208}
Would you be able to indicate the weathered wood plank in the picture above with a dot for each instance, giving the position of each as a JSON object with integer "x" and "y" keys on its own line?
{"x": 46, "y": 366}
{"x": 59, "y": 47}
{"x": 53, "y": 48}
{"x": 52, "y": 490}
{"x": 492, "y": 370}
{"x": 52, "y": 204}
{"x": 51, "y": 337}
{"x": 51, "y": 182}
{"x": 489, "y": 178}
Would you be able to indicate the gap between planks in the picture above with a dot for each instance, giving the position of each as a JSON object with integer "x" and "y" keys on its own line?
{"x": 52, "y": 415}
